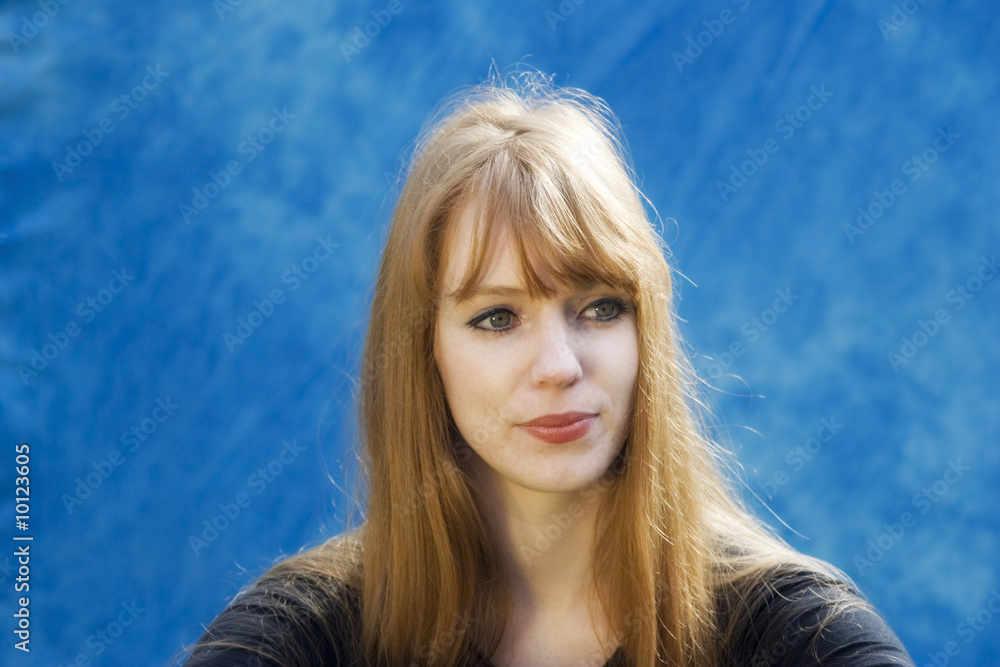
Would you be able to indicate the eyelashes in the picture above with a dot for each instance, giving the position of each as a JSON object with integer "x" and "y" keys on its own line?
{"x": 501, "y": 319}
{"x": 607, "y": 310}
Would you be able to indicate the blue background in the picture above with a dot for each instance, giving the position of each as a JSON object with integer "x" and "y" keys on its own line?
{"x": 125, "y": 549}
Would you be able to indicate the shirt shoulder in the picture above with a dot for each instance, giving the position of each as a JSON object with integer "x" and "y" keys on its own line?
{"x": 805, "y": 620}
{"x": 284, "y": 624}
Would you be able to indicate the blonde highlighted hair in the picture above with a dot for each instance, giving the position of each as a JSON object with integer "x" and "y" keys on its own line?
{"x": 679, "y": 561}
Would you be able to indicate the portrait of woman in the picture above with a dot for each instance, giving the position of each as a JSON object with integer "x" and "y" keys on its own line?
{"x": 540, "y": 486}
{"x": 399, "y": 333}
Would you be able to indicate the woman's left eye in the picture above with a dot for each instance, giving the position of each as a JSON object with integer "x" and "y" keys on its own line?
{"x": 604, "y": 310}
{"x": 495, "y": 320}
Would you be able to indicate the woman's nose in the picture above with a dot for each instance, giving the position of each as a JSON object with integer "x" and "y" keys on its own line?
{"x": 556, "y": 360}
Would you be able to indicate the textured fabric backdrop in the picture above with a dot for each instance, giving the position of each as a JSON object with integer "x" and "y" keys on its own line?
{"x": 193, "y": 199}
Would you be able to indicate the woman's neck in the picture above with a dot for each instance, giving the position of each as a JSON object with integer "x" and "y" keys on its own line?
{"x": 547, "y": 544}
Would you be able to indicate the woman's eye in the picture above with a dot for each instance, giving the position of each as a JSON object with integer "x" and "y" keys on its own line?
{"x": 496, "y": 320}
{"x": 605, "y": 310}
{"x": 499, "y": 320}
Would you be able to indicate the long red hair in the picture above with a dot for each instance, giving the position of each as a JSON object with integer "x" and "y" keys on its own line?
{"x": 673, "y": 546}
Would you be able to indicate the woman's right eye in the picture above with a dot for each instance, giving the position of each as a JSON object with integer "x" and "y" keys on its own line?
{"x": 496, "y": 320}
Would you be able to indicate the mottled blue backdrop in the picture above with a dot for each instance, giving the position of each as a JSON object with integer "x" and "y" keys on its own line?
{"x": 192, "y": 204}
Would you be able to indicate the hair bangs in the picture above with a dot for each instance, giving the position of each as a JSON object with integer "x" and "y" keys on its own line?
{"x": 555, "y": 223}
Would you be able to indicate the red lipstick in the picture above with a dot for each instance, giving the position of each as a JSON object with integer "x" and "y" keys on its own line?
{"x": 558, "y": 429}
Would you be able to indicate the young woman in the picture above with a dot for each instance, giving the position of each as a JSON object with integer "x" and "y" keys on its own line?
{"x": 540, "y": 491}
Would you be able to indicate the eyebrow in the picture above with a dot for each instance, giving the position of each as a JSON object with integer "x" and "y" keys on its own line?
{"x": 461, "y": 296}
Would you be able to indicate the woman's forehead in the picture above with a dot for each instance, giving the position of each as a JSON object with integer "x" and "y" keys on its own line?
{"x": 469, "y": 260}
{"x": 476, "y": 259}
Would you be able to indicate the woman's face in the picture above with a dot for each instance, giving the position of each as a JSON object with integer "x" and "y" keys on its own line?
{"x": 541, "y": 389}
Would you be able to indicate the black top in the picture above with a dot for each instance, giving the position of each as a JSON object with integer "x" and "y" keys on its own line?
{"x": 792, "y": 626}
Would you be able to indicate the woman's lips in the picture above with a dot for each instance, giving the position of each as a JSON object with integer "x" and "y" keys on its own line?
{"x": 561, "y": 428}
